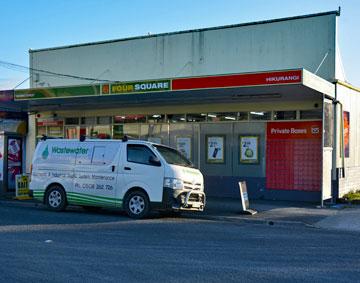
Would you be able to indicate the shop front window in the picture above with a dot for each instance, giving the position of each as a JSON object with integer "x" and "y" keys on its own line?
{"x": 41, "y": 130}
{"x": 243, "y": 116}
{"x": 106, "y": 120}
{"x": 132, "y": 131}
{"x": 260, "y": 115}
{"x": 87, "y": 120}
{"x": 284, "y": 115}
{"x": 131, "y": 118}
{"x": 156, "y": 118}
{"x": 49, "y": 127}
{"x": 197, "y": 117}
{"x": 311, "y": 114}
{"x": 219, "y": 117}
{"x": 118, "y": 132}
{"x": 55, "y": 131}
{"x": 72, "y": 132}
{"x": 72, "y": 121}
{"x": 176, "y": 118}
{"x": 101, "y": 132}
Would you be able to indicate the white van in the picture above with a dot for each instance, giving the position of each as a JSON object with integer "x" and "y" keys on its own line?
{"x": 136, "y": 176}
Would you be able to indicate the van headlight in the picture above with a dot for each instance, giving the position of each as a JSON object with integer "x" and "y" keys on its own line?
{"x": 172, "y": 183}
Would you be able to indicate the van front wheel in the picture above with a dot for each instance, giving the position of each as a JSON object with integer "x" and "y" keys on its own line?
{"x": 137, "y": 204}
{"x": 55, "y": 198}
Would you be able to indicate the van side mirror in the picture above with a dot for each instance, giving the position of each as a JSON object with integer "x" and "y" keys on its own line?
{"x": 154, "y": 161}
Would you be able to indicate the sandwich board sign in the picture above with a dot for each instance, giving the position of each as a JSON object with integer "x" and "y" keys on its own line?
{"x": 22, "y": 187}
{"x": 244, "y": 197}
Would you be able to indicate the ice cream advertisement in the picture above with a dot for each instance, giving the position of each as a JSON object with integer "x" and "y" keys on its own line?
{"x": 249, "y": 146}
{"x": 215, "y": 149}
{"x": 14, "y": 161}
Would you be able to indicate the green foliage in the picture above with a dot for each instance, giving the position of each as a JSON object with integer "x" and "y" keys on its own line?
{"x": 354, "y": 195}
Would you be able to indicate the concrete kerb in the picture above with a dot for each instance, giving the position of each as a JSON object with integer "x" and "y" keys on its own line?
{"x": 239, "y": 220}
{"x": 233, "y": 217}
{"x": 25, "y": 203}
{"x": 279, "y": 213}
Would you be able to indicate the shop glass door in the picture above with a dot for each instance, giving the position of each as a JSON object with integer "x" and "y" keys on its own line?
{"x": 14, "y": 160}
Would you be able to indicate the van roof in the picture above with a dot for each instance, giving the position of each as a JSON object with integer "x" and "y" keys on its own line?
{"x": 97, "y": 140}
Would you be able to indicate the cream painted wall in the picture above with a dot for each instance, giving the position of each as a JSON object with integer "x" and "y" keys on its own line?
{"x": 308, "y": 43}
{"x": 30, "y": 141}
{"x": 350, "y": 100}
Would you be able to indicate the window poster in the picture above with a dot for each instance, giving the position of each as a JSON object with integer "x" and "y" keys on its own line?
{"x": 14, "y": 154}
{"x": 346, "y": 133}
{"x": 249, "y": 149}
{"x": 215, "y": 146}
{"x": 183, "y": 144}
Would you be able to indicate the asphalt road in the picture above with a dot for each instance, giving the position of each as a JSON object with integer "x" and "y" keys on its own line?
{"x": 77, "y": 246}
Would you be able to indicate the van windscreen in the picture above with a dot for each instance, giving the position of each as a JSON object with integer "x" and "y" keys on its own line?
{"x": 172, "y": 156}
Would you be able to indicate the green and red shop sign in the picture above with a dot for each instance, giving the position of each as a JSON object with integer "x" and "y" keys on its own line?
{"x": 58, "y": 92}
{"x": 165, "y": 85}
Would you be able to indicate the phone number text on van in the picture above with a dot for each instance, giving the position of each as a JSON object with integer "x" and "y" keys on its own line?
{"x": 94, "y": 187}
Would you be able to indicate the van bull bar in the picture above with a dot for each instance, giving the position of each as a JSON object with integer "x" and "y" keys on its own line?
{"x": 186, "y": 199}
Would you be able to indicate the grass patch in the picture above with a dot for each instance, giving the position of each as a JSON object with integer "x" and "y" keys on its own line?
{"x": 355, "y": 195}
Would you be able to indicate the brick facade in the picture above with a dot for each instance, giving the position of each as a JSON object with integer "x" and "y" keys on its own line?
{"x": 351, "y": 182}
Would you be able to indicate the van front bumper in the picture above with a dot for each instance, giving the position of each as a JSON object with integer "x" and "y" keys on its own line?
{"x": 185, "y": 199}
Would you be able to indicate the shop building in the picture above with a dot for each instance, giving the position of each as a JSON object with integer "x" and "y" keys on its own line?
{"x": 13, "y": 131}
{"x": 263, "y": 102}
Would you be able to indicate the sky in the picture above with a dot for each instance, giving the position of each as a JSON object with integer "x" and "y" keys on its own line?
{"x": 40, "y": 24}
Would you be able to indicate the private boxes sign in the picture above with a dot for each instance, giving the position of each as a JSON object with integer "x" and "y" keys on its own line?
{"x": 294, "y": 130}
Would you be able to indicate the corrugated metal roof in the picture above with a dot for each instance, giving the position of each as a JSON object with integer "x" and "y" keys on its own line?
{"x": 337, "y": 13}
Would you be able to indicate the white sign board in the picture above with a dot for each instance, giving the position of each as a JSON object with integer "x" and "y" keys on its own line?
{"x": 183, "y": 144}
{"x": 215, "y": 149}
{"x": 249, "y": 149}
{"x": 244, "y": 197}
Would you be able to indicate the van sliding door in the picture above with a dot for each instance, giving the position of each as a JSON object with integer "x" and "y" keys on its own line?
{"x": 96, "y": 176}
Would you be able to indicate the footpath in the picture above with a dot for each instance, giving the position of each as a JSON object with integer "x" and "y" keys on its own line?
{"x": 338, "y": 217}
{"x": 335, "y": 217}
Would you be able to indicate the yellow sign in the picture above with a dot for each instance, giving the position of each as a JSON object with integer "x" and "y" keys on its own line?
{"x": 122, "y": 88}
{"x": 22, "y": 187}
{"x": 137, "y": 87}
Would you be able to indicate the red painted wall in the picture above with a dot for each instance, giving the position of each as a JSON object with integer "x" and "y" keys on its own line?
{"x": 294, "y": 156}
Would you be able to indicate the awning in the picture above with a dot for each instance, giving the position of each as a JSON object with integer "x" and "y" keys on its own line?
{"x": 289, "y": 85}
{"x": 13, "y": 126}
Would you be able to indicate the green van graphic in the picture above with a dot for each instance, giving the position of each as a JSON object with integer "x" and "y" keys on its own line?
{"x": 45, "y": 153}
